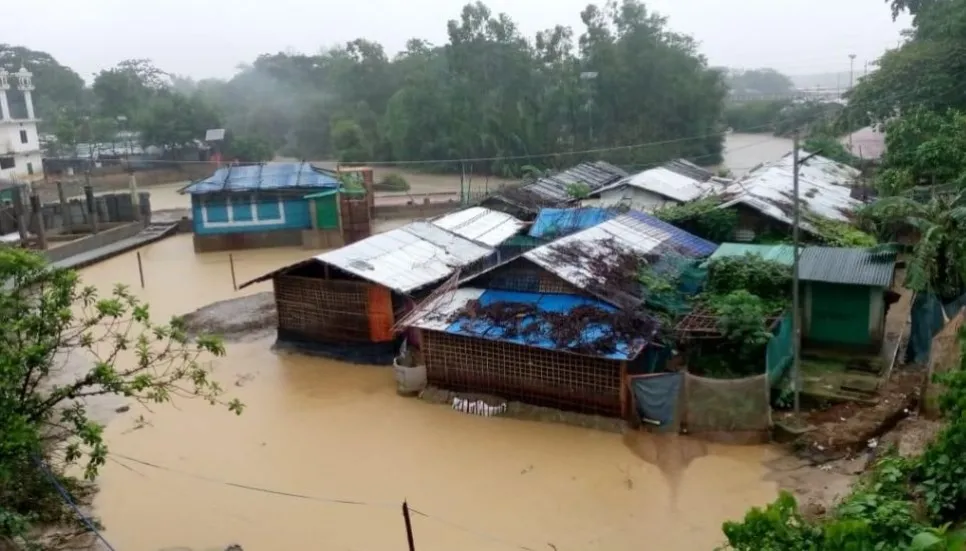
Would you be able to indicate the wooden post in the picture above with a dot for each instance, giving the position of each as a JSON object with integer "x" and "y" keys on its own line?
{"x": 409, "y": 526}
{"x": 16, "y": 194}
{"x": 231, "y": 262}
{"x": 66, "y": 215}
{"x": 141, "y": 269}
{"x": 37, "y": 210}
{"x": 91, "y": 206}
{"x": 624, "y": 383}
{"x": 135, "y": 198}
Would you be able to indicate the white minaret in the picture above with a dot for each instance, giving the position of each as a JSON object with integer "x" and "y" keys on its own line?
{"x": 4, "y": 86}
{"x": 25, "y": 84}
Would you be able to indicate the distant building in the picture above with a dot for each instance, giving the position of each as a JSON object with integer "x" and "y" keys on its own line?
{"x": 20, "y": 153}
{"x": 673, "y": 183}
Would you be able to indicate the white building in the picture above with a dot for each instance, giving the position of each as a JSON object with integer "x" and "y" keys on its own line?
{"x": 20, "y": 153}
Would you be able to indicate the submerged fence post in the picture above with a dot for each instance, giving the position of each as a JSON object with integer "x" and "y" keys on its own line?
{"x": 141, "y": 269}
{"x": 91, "y": 206}
{"x": 231, "y": 262}
{"x": 37, "y": 208}
{"x": 409, "y": 526}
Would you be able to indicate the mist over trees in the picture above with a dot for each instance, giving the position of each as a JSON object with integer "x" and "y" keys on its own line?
{"x": 488, "y": 92}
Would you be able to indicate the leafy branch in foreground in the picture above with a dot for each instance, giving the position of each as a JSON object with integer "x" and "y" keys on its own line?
{"x": 61, "y": 347}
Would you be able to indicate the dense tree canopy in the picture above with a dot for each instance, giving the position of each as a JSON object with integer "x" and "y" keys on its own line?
{"x": 759, "y": 81}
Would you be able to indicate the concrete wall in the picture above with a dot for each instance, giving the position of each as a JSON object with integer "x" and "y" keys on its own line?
{"x": 94, "y": 241}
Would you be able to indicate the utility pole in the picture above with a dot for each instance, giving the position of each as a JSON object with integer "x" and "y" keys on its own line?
{"x": 851, "y": 84}
{"x": 796, "y": 329}
{"x": 796, "y": 320}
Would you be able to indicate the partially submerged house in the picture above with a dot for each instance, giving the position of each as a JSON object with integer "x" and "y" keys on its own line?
{"x": 672, "y": 183}
{"x": 272, "y": 205}
{"x": 562, "y": 325}
{"x": 845, "y": 296}
{"x": 557, "y": 190}
{"x": 346, "y": 302}
{"x": 763, "y": 198}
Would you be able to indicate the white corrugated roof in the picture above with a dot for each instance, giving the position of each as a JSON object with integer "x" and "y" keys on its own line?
{"x": 482, "y": 225}
{"x": 667, "y": 183}
{"x": 435, "y": 314}
{"x": 623, "y": 230}
{"x": 406, "y": 258}
{"x": 824, "y": 189}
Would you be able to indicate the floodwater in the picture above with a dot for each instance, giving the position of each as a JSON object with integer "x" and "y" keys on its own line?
{"x": 742, "y": 153}
{"x": 316, "y": 431}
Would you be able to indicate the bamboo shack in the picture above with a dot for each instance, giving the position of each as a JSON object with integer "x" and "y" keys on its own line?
{"x": 344, "y": 303}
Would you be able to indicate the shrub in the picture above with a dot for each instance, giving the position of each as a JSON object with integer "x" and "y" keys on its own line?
{"x": 392, "y": 182}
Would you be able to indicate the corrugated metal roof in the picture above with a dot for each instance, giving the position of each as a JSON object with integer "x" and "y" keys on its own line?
{"x": 407, "y": 258}
{"x": 783, "y": 254}
{"x": 847, "y": 266}
{"x": 594, "y": 175}
{"x": 561, "y": 222}
{"x": 274, "y": 176}
{"x": 482, "y": 225}
{"x": 824, "y": 190}
{"x": 449, "y": 303}
{"x": 678, "y": 180}
{"x": 404, "y": 259}
{"x": 686, "y": 243}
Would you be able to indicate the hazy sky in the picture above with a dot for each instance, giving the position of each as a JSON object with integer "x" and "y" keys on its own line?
{"x": 204, "y": 38}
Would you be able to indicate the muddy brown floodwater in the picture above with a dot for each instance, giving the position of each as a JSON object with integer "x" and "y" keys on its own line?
{"x": 325, "y": 430}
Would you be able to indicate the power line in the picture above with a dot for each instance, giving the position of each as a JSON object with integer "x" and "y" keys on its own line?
{"x": 70, "y": 502}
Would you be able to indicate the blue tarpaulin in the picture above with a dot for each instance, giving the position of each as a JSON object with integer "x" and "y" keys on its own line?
{"x": 927, "y": 321}
{"x": 561, "y": 222}
{"x": 544, "y": 303}
{"x": 656, "y": 398}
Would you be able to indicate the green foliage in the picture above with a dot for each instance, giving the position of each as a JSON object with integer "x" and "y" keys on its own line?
{"x": 827, "y": 145}
{"x": 249, "y": 149}
{"x": 754, "y": 116}
{"x": 57, "y": 86}
{"x": 578, "y": 190}
{"x": 52, "y": 327}
{"x": 836, "y": 233}
{"x": 702, "y": 218}
{"x": 759, "y": 81}
{"x": 772, "y": 281}
{"x": 175, "y": 121}
{"x": 938, "y": 263}
{"x": 924, "y": 148}
{"x": 392, "y": 182}
{"x": 350, "y": 142}
{"x": 741, "y": 319}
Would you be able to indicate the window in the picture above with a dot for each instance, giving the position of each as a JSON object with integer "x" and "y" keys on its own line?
{"x": 241, "y": 210}
{"x": 7, "y": 162}
{"x": 30, "y": 168}
{"x": 23, "y": 136}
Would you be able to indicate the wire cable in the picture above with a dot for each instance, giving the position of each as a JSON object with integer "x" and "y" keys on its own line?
{"x": 70, "y": 502}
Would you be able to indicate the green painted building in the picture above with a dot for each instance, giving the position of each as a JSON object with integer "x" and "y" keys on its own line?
{"x": 844, "y": 296}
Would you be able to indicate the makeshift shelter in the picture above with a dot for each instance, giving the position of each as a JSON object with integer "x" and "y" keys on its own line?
{"x": 525, "y": 201}
{"x": 845, "y": 301}
{"x": 344, "y": 302}
{"x": 549, "y": 349}
{"x": 672, "y": 183}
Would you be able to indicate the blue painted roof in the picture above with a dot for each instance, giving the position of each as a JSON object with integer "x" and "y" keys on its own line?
{"x": 273, "y": 176}
{"x": 544, "y": 303}
{"x": 561, "y": 222}
{"x": 688, "y": 243}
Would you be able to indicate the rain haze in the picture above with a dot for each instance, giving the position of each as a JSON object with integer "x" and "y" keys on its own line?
{"x": 211, "y": 38}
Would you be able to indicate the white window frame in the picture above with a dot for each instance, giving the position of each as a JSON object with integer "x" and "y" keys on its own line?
{"x": 232, "y": 223}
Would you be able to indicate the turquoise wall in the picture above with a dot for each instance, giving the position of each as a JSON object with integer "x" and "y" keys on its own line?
{"x": 297, "y": 215}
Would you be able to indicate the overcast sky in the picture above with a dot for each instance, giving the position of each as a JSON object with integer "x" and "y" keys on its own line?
{"x": 209, "y": 38}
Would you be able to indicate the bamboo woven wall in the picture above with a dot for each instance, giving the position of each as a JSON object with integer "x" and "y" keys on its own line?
{"x": 322, "y": 310}
{"x": 530, "y": 375}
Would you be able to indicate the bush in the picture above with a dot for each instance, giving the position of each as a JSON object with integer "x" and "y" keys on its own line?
{"x": 392, "y": 182}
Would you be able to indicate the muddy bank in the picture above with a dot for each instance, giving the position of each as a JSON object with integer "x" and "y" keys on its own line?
{"x": 243, "y": 318}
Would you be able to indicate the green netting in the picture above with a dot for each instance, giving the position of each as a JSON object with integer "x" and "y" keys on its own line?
{"x": 780, "y": 350}
{"x": 927, "y": 321}
{"x": 690, "y": 277}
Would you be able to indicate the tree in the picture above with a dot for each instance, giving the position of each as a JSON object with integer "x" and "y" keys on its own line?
{"x": 924, "y": 147}
{"x": 249, "y": 149}
{"x": 938, "y": 263}
{"x": 928, "y": 71}
{"x": 61, "y": 345}
{"x": 173, "y": 121}
{"x": 759, "y": 81}
{"x": 350, "y": 141}
{"x": 127, "y": 88}
{"x": 57, "y": 86}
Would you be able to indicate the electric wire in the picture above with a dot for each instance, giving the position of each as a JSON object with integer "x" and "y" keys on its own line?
{"x": 65, "y": 495}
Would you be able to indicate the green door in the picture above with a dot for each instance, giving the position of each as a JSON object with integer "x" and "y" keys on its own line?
{"x": 840, "y": 314}
{"x": 327, "y": 211}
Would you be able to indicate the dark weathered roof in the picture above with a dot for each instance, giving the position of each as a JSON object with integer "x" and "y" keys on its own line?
{"x": 594, "y": 175}
{"x": 847, "y": 266}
